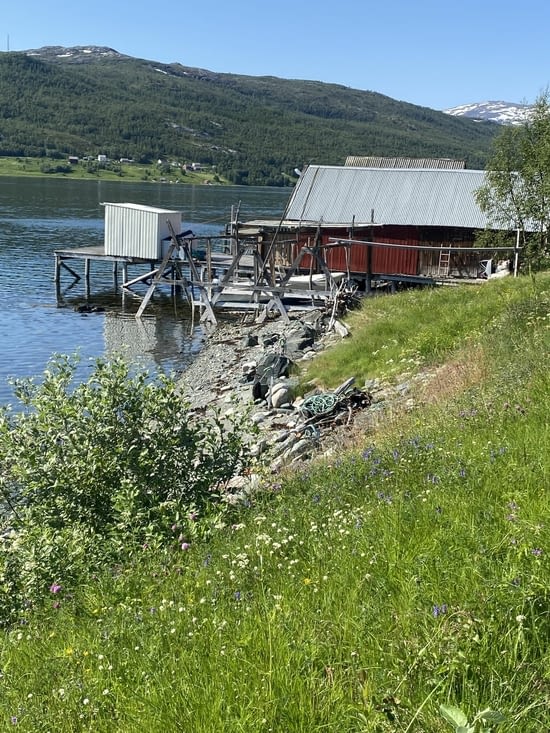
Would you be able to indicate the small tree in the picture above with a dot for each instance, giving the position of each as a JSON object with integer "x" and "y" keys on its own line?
{"x": 516, "y": 193}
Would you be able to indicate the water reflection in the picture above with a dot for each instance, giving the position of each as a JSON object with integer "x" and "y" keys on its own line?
{"x": 38, "y": 216}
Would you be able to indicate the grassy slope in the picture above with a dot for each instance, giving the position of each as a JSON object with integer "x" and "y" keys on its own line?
{"x": 356, "y": 596}
{"x": 125, "y": 172}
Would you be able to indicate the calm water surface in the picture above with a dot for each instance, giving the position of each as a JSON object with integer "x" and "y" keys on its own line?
{"x": 38, "y": 216}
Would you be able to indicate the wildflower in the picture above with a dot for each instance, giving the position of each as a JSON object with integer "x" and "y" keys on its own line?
{"x": 13, "y": 719}
{"x": 439, "y": 610}
{"x": 185, "y": 546}
{"x": 536, "y": 551}
{"x": 307, "y": 581}
{"x": 237, "y": 595}
{"x": 55, "y": 588}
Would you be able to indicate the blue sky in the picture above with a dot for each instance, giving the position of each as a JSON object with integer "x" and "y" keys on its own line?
{"x": 434, "y": 54}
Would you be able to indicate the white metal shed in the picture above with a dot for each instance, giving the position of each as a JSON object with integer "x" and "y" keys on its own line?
{"x": 135, "y": 230}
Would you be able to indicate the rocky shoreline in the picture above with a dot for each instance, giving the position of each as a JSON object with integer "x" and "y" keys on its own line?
{"x": 227, "y": 377}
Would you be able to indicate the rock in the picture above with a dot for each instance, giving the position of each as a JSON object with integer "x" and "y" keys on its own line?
{"x": 298, "y": 449}
{"x": 340, "y": 329}
{"x": 258, "y": 448}
{"x": 250, "y": 339}
{"x": 280, "y": 394}
{"x": 259, "y": 417}
{"x": 270, "y": 340}
{"x": 248, "y": 367}
{"x": 301, "y": 337}
{"x": 279, "y": 437}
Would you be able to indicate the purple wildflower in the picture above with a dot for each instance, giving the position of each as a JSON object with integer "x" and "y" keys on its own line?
{"x": 439, "y": 610}
{"x": 55, "y": 588}
{"x": 536, "y": 551}
{"x": 185, "y": 546}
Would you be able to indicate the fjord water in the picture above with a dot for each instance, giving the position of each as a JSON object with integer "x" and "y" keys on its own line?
{"x": 40, "y": 215}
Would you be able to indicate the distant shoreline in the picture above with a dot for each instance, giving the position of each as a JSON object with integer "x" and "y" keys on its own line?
{"x": 92, "y": 170}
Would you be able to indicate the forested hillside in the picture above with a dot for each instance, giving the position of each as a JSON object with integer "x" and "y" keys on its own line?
{"x": 255, "y": 130}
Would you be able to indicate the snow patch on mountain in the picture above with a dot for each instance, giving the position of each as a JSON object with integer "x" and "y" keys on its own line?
{"x": 504, "y": 113}
{"x": 75, "y": 53}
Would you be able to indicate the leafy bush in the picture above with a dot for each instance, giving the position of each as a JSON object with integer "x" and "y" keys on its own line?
{"x": 61, "y": 168}
{"x": 90, "y": 471}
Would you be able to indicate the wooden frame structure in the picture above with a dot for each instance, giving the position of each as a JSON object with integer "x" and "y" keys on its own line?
{"x": 259, "y": 292}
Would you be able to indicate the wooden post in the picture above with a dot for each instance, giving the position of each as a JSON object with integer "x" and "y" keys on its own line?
{"x": 516, "y": 253}
{"x": 368, "y": 285}
{"x": 87, "y": 277}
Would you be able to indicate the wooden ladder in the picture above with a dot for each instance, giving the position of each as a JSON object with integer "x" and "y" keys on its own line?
{"x": 444, "y": 263}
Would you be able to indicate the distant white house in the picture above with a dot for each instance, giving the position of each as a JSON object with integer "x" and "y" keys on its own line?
{"x": 101, "y": 158}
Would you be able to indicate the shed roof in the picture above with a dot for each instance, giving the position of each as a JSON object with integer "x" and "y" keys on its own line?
{"x": 140, "y": 207}
{"x": 373, "y": 161}
{"x": 341, "y": 195}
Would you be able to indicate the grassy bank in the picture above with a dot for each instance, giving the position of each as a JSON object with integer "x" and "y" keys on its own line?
{"x": 360, "y": 594}
{"x": 111, "y": 171}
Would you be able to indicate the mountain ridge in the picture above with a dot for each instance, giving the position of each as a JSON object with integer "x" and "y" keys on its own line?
{"x": 503, "y": 113}
{"x": 86, "y": 100}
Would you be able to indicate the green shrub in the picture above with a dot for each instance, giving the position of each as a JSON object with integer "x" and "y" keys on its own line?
{"x": 89, "y": 472}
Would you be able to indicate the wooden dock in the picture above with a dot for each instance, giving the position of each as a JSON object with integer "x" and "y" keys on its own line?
{"x": 214, "y": 281}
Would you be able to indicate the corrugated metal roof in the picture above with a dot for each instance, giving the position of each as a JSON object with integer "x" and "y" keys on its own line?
{"x": 379, "y": 162}
{"x": 417, "y": 197}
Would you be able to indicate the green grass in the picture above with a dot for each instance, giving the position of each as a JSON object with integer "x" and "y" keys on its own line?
{"x": 392, "y": 336}
{"x": 355, "y": 595}
{"x": 33, "y": 167}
